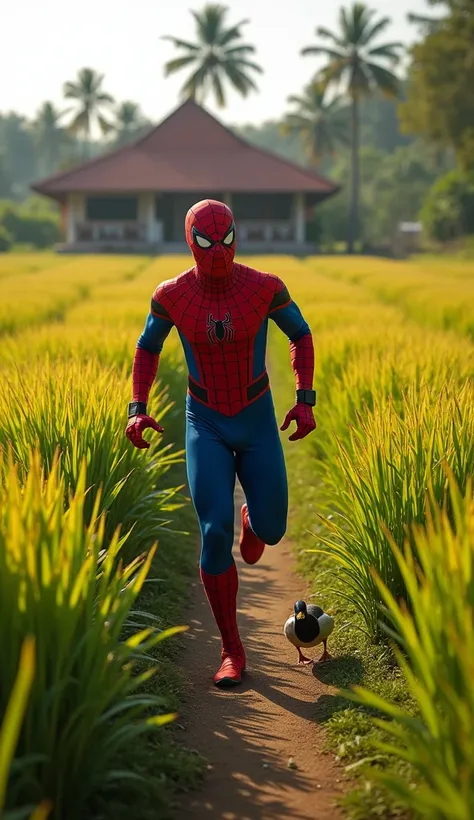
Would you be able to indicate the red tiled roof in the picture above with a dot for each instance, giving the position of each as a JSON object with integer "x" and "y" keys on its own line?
{"x": 189, "y": 151}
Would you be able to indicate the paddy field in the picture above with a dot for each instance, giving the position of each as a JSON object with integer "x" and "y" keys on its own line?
{"x": 98, "y": 540}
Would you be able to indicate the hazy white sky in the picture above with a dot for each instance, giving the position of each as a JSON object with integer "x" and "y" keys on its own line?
{"x": 45, "y": 43}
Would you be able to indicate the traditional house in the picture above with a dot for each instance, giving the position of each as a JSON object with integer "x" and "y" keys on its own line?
{"x": 136, "y": 198}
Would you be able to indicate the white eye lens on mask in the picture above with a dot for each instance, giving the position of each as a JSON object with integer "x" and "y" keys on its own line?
{"x": 229, "y": 238}
{"x": 203, "y": 243}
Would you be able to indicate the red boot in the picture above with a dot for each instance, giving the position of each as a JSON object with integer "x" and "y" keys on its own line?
{"x": 251, "y": 546}
{"x": 221, "y": 591}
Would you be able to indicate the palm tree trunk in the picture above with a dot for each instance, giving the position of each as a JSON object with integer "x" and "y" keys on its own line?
{"x": 354, "y": 206}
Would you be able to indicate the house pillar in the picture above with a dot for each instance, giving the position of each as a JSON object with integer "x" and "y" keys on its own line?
{"x": 228, "y": 200}
{"x": 146, "y": 215}
{"x": 75, "y": 213}
{"x": 70, "y": 221}
{"x": 300, "y": 220}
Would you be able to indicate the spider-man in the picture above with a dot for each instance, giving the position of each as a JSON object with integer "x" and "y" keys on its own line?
{"x": 221, "y": 310}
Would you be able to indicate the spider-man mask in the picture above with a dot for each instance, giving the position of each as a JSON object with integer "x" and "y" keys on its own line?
{"x": 210, "y": 233}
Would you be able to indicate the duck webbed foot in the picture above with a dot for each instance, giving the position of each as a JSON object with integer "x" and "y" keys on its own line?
{"x": 303, "y": 660}
{"x": 325, "y": 656}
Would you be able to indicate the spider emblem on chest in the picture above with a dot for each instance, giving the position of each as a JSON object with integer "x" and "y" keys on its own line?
{"x": 219, "y": 330}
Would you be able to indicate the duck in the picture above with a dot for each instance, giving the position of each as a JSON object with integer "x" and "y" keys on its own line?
{"x": 309, "y": 626}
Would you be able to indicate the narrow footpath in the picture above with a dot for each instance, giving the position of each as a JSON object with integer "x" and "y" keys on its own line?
{"x": 261, "y": 740}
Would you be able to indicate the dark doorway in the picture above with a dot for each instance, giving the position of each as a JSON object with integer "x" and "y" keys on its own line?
{"x": 171, "y": 210}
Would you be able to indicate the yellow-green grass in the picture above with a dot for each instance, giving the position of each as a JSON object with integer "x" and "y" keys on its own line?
{"x": 17, "y": 264}
{"x": 47, "y": 295}
{"x": 437, "y": 293}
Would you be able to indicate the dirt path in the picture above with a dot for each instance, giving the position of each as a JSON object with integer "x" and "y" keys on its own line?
{"x": 248, "y": 734}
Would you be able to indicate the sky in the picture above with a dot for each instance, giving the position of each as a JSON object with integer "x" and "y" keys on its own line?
{"x": 45, "y": 43}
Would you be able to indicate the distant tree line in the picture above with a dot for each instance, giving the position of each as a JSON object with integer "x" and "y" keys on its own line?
{"x": 400, "y": 147}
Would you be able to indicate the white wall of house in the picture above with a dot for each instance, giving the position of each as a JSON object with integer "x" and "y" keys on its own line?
{"x": 75, "y": 214}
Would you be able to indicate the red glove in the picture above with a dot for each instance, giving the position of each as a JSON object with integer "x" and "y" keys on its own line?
{"x": 135, "y": 428}
{"x": 145, "y": 366}
{"x": 305, "y": 423}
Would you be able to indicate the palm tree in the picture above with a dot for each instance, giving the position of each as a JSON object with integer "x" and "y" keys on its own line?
{"x": 128, "y": 122}
{"x": 49, "y": 135}
{"x": 87, "y": 92}
{"x": 217, "y": 55}
{"x": 354, "y": 62}
{"x": 322, "y": 124}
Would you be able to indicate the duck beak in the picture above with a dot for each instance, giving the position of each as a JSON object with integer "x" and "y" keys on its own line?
{"x": 300, "y": 615}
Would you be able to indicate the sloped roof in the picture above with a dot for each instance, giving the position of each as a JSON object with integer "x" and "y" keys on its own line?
{"x": 189, "y": 151}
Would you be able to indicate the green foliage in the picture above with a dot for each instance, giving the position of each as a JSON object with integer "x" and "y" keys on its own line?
{"x": 18, "y": 164}
{"x": 128, "y": 124}
{"x": 51, "y": 139}
{"x": 90, "y": 100}
{"x": 435, "y": 106}
{"x": 6, "y": 239}
{"x": 30, "y": 223}
{"x": 397, "y": 191}
{"x": 448, "y": 210}
{"x": 333, "y": 215}
{"x": 354, "y": 59}
{"x": 322, "y": 124}
{"x": 380, "y": 124}
{"x": 357, "y": 63}
{"x": 6, "y": 179}
{"x": 436, "y": 657}
{"x": 393, "y": 189}
{"x": 269, "y": 136}
{"x": 440, "y": 104}
{"x": 218, "y": 55}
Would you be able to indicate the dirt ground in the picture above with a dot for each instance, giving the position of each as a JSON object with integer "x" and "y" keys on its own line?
{"x": 261, "y": 738}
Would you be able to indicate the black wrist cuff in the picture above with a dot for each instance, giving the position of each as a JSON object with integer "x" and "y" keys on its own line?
{"x": 136, "y": 408}
{"x": 306, "y": 397}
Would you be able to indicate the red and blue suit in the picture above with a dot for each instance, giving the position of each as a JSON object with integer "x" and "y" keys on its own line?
{"x": 221, "y": 311}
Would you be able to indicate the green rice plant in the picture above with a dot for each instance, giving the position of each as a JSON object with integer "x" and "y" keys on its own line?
{"x": 15, "y": 712}
{"x": 59, "y": 584}
{"x": 11, "y": 727}
{"x": 79, "y": 408}
{"x": 435, "y": 653}
{"x": 384, "y": 470}
{"x": 372, "y": 367}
